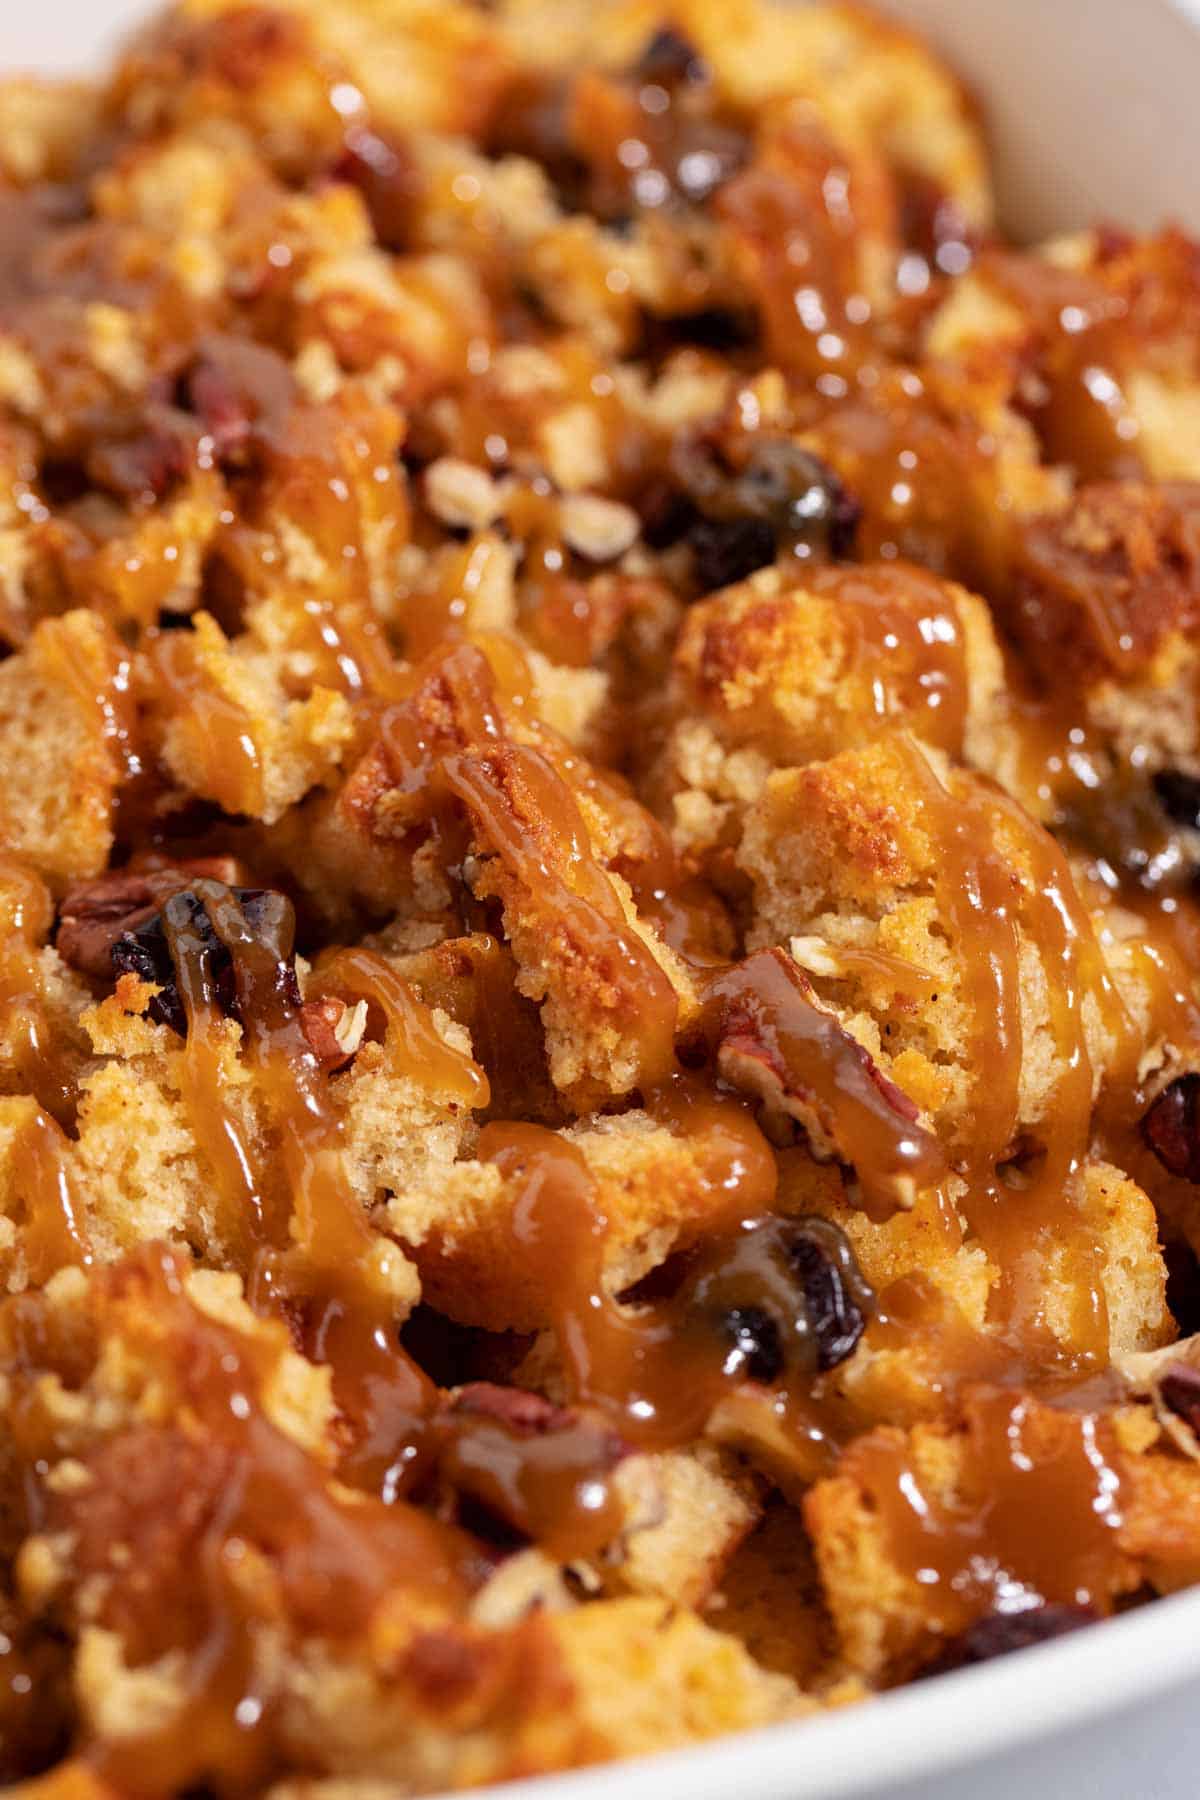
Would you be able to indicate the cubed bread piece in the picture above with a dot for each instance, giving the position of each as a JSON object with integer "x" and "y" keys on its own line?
{"x": 770, "y": 1597}
{"x": 926, "y": 906}
{"x": 63, "y": 729}
{"x": 690, "y": 1509}
{"x": 230, "y": 734}
{"x": 1040, "y": 323}
{"x": 655, "y": 1187}
{"x": 649, "y": 1675}
{"x": 786, "y": 669}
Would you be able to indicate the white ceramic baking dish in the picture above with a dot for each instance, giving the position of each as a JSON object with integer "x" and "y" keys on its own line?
{"x": 1095, "y": 113}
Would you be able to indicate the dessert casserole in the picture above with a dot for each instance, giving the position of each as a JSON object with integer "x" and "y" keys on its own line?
{"x": 600, "y": 872}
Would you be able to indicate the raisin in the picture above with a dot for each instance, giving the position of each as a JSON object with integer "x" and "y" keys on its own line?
{"x": 1179, "y": 1389}
{"x": 725, "y": 551}
{"x": 755, "y": 1350}
{"x": 712, "y": 328}
{"x": 387, "y": 179}
{"x": 1179, "y": 795}
{"x": 821, "y": 1256}
{"x": 143, "y": 950}
{"x": 997, "y": 1634}
{"x": 798, "y": 494}
{"x": 781, "y": 496}
{"x": 668, "y": 59}
{"x": 1172, "y": 1127}
{"x": 784, "y": 1293}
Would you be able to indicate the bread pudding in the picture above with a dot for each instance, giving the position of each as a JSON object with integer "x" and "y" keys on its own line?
{"x": 600, "y": 869}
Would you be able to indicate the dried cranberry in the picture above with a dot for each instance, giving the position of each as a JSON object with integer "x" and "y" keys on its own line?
{"x": 999, "y": 1633}
{"x": 1179, "y": 1389}
{"x": 755, "y": 1350}
{"x": 144, "y": 951}
{"x": 1172, "y": 1127}
{"x": 1179, "y": 795}
{"x": 725, "y": 551}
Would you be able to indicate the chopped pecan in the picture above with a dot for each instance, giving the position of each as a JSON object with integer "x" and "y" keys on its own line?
{"x": 769, "y": 1036}
{"x": 334, "y": 1030}
{"x": 530, "y": 1468}
{"x": 527, "y": 1412}
{"x": 94, "y": 914}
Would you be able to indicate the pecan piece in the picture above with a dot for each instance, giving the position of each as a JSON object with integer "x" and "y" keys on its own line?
{"x": 94, "y": 914}
{"x": 769, "y": 1036}
{"x": 527, "y": 1412}
{"x": 533, "y": 1470}
{"x": 334, "y": 1030}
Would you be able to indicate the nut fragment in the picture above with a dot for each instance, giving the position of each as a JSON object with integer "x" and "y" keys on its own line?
{"x": 333, "y": 1029}
{"x": 461, "y": 494}
{"x": 597, "y": 528}
{"x": 96, "y": 913}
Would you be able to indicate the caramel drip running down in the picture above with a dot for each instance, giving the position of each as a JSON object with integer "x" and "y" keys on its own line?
{"x": 343, "y": 1269}
{"x": 522, "y": 811}
{"x": 917, "y": 661}
{"x": 334, "y": 1558}
{"x": 1023, "y": 1220}
{"x": 56, "y": 1235}
{"x": 221, "y": 728}
{"x": 26, "y": 915}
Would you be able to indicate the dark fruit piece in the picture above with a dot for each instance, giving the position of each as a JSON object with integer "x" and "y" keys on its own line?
{"x": 754, "y": 1339}
{"x": 725, "y": 551}
{"x": 1172, "y": 1128}
{"x": 786, "y": 1294}
{"x": 1179, "y": 1389}
{"x": 781, "y": 497}
{"x": 798, "y": 494}
{"x": 999, "y": 1633}
{"x": 1183, "y": 1285}
{"x": 144, "y": 951}
{"x": 833, "y": 1288}
{"x": 669, "y": 59}
{"x": 386, "y": 178}
{"x": 1179, "y": 795}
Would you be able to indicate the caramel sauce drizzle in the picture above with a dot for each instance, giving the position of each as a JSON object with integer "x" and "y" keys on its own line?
{"x": 917, "y": 662}
{"x": 25, "y": 915}
{"x": 1034, "y": 1515}
{"x": 524, "y": 812}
